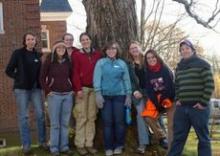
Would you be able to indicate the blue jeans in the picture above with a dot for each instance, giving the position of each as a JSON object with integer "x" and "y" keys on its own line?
{"x": 23, "y": 99}
{"x": 143, "y": 133}
{"x": 113, "y": 116}
{"x": 59, "y": 108}
{"x": 186, "y": 116}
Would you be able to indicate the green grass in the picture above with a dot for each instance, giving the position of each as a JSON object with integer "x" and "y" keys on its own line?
{"x": 13, "y": 146}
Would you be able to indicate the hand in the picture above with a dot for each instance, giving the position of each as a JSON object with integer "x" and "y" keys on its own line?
{"x": 178, "y": 103}
{"x": 128, "y": 101}
{"x": 99, "y": 100}
{"x": 199, "y": 106}
{"x": 80, "y": 94}
{"x": 137, "y": 94}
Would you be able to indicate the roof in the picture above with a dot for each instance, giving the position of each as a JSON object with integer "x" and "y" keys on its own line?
{"x": 55, "y": 6}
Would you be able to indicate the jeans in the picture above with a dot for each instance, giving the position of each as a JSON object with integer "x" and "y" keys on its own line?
{"x": 23, "y": 99}
{"x": 143, "y": 133}
{"x": 113, "y": 116}
{"x": 186, "y": 116}
{"x": 59, "y": 108}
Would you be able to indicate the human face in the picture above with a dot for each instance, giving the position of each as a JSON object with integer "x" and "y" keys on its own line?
{"x": 111, "y": 52}
{"x": 151, "y": 59}
{"x": 85, "y": 42}
{"x": 186, "y": 51}
{"x": 134, "y": 50}
{"x": 60, "y": 50}
{"x": 30, "y": 42}
{"x": 68, "y": 40}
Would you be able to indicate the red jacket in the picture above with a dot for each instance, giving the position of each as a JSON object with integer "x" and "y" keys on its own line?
{"x": 83, "y": 68}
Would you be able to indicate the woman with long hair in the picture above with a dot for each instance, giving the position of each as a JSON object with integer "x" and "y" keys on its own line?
{"x": 56, "y": 82}
{"x": 136, "y": 67}
{"x": 159, "y": 88}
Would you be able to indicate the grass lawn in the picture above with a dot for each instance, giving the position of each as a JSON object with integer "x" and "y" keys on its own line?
{"x": 13, "y": 146}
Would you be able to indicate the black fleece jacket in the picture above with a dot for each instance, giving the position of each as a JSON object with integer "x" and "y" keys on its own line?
{"x": 24, "y": 68}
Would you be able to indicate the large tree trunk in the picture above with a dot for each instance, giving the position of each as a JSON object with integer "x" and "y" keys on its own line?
{"x": 111, "y": 20}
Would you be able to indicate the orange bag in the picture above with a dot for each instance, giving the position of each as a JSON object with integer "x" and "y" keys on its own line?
{"x": 150, "y": 109}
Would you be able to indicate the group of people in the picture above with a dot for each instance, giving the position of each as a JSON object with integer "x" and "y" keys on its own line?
{"x": 81, "y": 81}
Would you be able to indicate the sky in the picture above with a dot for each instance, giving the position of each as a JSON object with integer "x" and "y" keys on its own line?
{"x": 208, "y": 39}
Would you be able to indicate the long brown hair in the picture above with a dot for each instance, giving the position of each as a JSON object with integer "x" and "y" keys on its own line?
{"x": 130, "y": 58}
{"x": 159, "y": 59}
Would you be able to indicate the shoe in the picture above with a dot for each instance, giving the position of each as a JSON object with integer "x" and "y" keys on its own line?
{"x": 27, "y": 152}
{"x": 164, "y": 143}
{"x": 117, "y": 151}
{"x": 91, "y": 150}
{"x": 108, "y": 153}
{"x": 55, "y": 154}
{"x": 141, "y": 149}
{"x": 82, "y": 151}
{"x": 68, "y": 152}
{"x": 44, "y": 147}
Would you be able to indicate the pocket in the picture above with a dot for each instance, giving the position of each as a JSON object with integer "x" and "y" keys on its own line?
{"x": 51, "y": 82}
{"x": 69, "y": 82}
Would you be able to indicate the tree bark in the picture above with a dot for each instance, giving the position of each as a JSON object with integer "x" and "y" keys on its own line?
{"x": 111, "y": 20}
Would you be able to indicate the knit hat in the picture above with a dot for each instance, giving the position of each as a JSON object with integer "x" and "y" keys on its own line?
{"x": 55, "y": 45}
{"x": 187, "y": 43}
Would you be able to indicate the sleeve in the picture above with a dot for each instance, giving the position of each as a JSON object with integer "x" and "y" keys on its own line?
{"x": 76, "y": 73}
{"x": 133, "y": 79}
{"x": 208, "y": 85}
{"x": 126, "y": 78}
{"x": 11, "y": 69}
{"x": 176, "y": 86}
{"x": 149, "y": 92}
{"x": 97, "y": 77}
{"x": 44, "y": 76}
{"x": 169, "y": 86}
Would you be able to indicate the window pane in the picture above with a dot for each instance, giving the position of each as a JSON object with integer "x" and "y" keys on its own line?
{"x": 44, "y": 44}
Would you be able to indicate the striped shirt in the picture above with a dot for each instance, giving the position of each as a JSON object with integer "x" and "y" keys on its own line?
{"x": 194, "y": 85}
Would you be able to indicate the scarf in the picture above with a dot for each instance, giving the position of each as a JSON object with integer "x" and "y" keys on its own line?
{"x": 155, "y": 68}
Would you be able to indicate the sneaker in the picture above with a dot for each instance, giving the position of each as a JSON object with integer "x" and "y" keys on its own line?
{"x": 117, "y": 151}
{"x": 27, "y": 152}
{"x": 67, "y": 152}
{"x": 91, "y": 150}
{"x": 108, "y": 153}
{"x": 164, "y": 143}
{"x": 82, "y": 151}
{"x": 141, "y": 149}
{"x": 44, "y": 146}
{"x": 55, "y": 154}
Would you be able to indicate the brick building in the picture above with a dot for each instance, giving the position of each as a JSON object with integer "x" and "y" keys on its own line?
{"x": 45, "y": 18}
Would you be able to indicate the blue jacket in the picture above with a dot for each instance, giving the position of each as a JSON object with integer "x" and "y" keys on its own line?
{"x": 111, "y": 77}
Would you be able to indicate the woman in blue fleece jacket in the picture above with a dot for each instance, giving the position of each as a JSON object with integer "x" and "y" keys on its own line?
{"x": 113, "y": 92}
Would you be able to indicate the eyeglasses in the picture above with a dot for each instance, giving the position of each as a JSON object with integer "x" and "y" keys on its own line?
{"x": 150, "y": 57}
{"x": 112, "y": 48}
{"x": 68, "y": 40}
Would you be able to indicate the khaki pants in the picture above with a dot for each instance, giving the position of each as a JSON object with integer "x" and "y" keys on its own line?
{"x": 85, "y": 115}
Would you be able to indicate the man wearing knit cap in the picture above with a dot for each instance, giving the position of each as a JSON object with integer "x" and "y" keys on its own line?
{"x": 193, "y": 86}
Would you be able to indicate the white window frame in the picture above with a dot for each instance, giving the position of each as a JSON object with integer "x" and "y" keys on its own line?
{"x": 45, "y": 30}
{"x": 1, "y": 19}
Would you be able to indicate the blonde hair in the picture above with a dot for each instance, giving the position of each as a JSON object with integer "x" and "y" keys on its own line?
{"x": 130, "y": 58}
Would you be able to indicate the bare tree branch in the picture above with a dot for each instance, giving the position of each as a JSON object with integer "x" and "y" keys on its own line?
{"x": 207, "y": 24}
